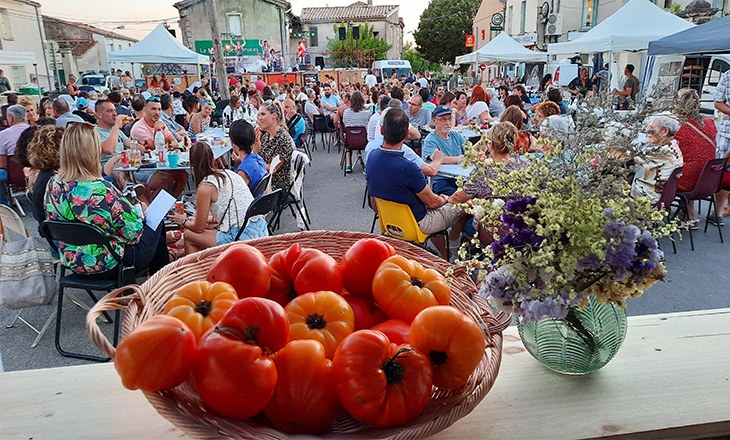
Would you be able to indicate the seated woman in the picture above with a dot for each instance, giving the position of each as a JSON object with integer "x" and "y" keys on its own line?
{"x": 43, "y": 155}
{"x": 78, "y": 193}
{"x": 460, "y": 108}
{"x": 478, "y": 108}
{"x": 191, "y": 105}
{"x": 233, "y": 110}
{"x": 201, "y": 121}
{"x": 656, "y": 168}
{"x": 251, "y": 167}
{"x": 273, "y": 140}
{"x": 515, "y": 100}
{"x": 502, "y": 137}
{"x": 355, "y": 116}
{"x": 225, "y": 196}
{"x": 696, "y": 139}
{"x": 525, "y": 142}
{"x": 553, "y": 125}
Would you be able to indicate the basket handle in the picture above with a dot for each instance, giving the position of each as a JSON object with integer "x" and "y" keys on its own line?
{"x": 492, "y": 324}
{"x": 110, "y": 302}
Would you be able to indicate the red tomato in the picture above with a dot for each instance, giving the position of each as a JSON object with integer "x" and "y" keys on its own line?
{"x": 305, "y": 399}
{"x": 298, "y": 270}
{"x": 360, "y": 263}
{"x": 157, "y": 355}
{"x": 380, "y": 383}
{"x": 367, "y": 314}
{"x": 245, "y": 268}
{"x": 396, "y": 330}
{"x": 233, "y": 372}
{"x": 452, "y": 341}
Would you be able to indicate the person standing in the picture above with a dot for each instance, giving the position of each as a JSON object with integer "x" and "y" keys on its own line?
{"x": 371, "y": 79}
{"x": 722, "y": 105}
{"x": 454, "y": 81}
{"x": 631, "y": 86}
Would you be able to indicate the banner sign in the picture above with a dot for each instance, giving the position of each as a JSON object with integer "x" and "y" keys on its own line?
{"x": 250, "y": 47}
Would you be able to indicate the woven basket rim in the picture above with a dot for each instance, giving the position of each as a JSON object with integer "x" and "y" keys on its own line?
{"x": 177, "y": 405}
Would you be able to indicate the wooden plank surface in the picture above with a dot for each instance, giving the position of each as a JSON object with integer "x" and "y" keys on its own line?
{"x": 671, "y": 378}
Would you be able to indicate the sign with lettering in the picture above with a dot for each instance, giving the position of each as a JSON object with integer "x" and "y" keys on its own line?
{"x": 249, "y": 47}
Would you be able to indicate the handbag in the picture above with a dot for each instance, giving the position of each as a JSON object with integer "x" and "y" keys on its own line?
{"x": 27, "y": 273}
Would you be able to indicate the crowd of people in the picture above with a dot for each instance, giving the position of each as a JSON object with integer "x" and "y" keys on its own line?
{"x": 68, "y": 152}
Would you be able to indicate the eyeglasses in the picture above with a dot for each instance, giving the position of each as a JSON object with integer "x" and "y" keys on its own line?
{"x": 414, "y": 104}
{"x": 153, "y": 99}
{"x": 81, "y": 123}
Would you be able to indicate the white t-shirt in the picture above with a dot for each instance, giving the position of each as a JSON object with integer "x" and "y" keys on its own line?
{"x": 310, "y": 108}
{"x": 423, "y": 82}
{"x": 372, "y": 123}
{"x": 378, "y": 131}
{"x": 473, "y": 111}
{"x": 371, "y": 80}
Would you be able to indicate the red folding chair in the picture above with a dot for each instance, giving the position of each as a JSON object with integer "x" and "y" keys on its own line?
{"x": 709, "y": 183}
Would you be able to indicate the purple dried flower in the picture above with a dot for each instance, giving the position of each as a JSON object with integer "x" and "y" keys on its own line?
{"x": 520, "y": 205}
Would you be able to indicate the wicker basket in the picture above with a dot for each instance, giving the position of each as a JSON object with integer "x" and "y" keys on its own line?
{"x": 183, "y": 407}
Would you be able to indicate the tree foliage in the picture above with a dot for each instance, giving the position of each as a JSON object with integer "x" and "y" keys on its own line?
{"x": 351, "y": 52}
{"x": 418, "y": 63}
{"x": 443, "y": 28}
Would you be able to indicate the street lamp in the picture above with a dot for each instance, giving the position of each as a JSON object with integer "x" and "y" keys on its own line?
{"x": 120, "y": 27}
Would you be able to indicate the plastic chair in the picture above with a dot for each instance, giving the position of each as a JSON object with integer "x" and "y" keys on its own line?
{"x": 260, "y": 187}
{"x": 356, "y": 139}
{"x": 373, "y": 205}
{"x": 321, "y": 126}
{"x": 260, "y": 206}
{"x": 304, "y": 139}
{"x": 79, "y": 234}
{"x": 709, "y": 182}
{"x": 397, "y": 221}
{"x": 668, "y": 195}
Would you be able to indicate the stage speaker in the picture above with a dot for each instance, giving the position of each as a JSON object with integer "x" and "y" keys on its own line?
{"x": 356, "y": 33}
{"x": 343, "y": 34}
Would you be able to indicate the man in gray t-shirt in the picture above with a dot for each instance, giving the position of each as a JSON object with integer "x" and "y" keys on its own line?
{"x": 417, "y": 115}
{"x": 631, "y": 87}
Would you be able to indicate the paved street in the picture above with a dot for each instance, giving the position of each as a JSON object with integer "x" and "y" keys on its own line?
{"x": 696, "y": 280}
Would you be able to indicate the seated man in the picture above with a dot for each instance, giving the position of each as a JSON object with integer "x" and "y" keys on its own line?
{"x": 294, "y": 121}
{"x": 10, "y": 170}
{"x": 82, "y": 105}
{"x": 390, "y": 176}
{"x": 449, "y": 142}
{"x": 167, "y": 116}
{"x": 330, "y": 103}
{"x": 310, "y": 108}
{"x": 428, "y": 169}
{"x": 417, "y": 115}
{"x": 62, "y": 113}
{"x": 144, "y": 131}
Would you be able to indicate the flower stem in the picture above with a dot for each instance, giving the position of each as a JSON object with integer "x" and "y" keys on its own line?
{"x": 574, "y": 323}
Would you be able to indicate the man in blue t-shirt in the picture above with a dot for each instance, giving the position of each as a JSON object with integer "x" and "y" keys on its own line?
{"x": 449, "y": 142}
{"x": 390, "y": 176}
{"x": 330, "y": 104}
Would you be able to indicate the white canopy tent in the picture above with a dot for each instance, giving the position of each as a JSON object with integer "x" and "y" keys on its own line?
{"x": 16, "y": 58}
{"x": 158, "y": 47}
{"x": 502, "y": 49}
{"x": 629, "y": 29}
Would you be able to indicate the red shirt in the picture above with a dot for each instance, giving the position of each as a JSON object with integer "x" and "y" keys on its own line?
{"x": 233, "y": 81}
{"x": 696, "y": 150}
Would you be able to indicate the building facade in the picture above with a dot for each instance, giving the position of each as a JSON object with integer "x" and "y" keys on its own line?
{"x": 246, "y": 22}
{"x": 488, "y": 17}
{"x": 84, "y": 48}
{"x": 21, "y": 30}
{"x": 385, "y": 21}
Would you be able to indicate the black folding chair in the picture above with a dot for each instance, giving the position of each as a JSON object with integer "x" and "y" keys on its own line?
{"x": 261, "y": 206}
{"x": 261, "y": 186}
{"x": 323, "y": 128}
{"x": 81, "y": 234}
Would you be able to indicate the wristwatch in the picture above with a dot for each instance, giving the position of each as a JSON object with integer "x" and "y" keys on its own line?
{"x": 185, "y": 220}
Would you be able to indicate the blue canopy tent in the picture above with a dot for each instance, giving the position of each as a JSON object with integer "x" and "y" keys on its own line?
{"x": 711, "y": 37}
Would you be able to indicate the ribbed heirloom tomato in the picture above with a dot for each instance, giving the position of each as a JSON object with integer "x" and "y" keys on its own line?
{"x": 298, "y": 270}
{"x": 157, "y": 355}
{"x": 380, "y": 383}
{"x": 367, "y": 313}
{"x": 200, "y": 304}
{"x": 305, "y": 399}
{"x": 361, "y": 262}
{"x": 403, "y": 287}
{"x": 452, "y": 341}
{"x": 244, "y": 267}
{"x": 323, "y": 316}
{"x": 233, "y": 371}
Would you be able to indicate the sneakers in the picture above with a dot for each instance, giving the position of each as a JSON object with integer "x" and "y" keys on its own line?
{"x": 715, "y": 220}
{"x": 348, "y": 169}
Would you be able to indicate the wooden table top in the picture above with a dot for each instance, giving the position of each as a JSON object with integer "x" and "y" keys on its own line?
{"x": 671, "y": 379}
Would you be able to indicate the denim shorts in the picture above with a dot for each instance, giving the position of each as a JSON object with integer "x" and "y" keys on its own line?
{"x": 254, "y": 229}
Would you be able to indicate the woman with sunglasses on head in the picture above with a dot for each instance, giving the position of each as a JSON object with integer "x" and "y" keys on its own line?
{"x": 221, "y": 196}
{"x": 78, "y": 193}
{"x": 200, "y": 122}
{"x": 273, "y": 139}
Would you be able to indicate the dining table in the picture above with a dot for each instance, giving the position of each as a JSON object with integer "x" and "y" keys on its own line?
{"x": 670, "y": 379}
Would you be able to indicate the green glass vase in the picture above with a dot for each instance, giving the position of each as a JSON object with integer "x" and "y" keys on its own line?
{"x": 581, "y": 343}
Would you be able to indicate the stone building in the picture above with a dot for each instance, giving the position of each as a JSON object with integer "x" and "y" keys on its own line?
{"x": 384, "y": 19}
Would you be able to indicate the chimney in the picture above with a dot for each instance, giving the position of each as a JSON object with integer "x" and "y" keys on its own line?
{"x": 370, "y": 2}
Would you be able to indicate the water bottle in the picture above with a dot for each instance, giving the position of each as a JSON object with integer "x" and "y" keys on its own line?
{"x": 159, "y": 140}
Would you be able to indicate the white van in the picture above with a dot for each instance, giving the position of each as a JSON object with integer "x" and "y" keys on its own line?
{"x": 401, "y": 67}
{"x": 701, "y": 73}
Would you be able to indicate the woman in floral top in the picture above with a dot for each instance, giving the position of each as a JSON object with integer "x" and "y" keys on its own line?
{"x": 274, "y": 140}
{"x": 79, "y": 193}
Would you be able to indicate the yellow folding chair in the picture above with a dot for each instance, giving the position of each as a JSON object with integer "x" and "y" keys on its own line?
{"x": 397, "y": 221}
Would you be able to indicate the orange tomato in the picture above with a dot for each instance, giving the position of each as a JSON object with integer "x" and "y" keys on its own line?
{"x": 451, "y": 340}
{"x": 323, "y": 316}
{"x": 201, "y": 304}
{"x": 157, "y": 355}
{"x": 402, "y": 288}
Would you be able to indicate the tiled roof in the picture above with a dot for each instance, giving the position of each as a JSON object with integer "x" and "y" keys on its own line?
{"x": 91, "y": 29}
{"x": 79, "y": 48}
{"x": 356, "y": 11}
